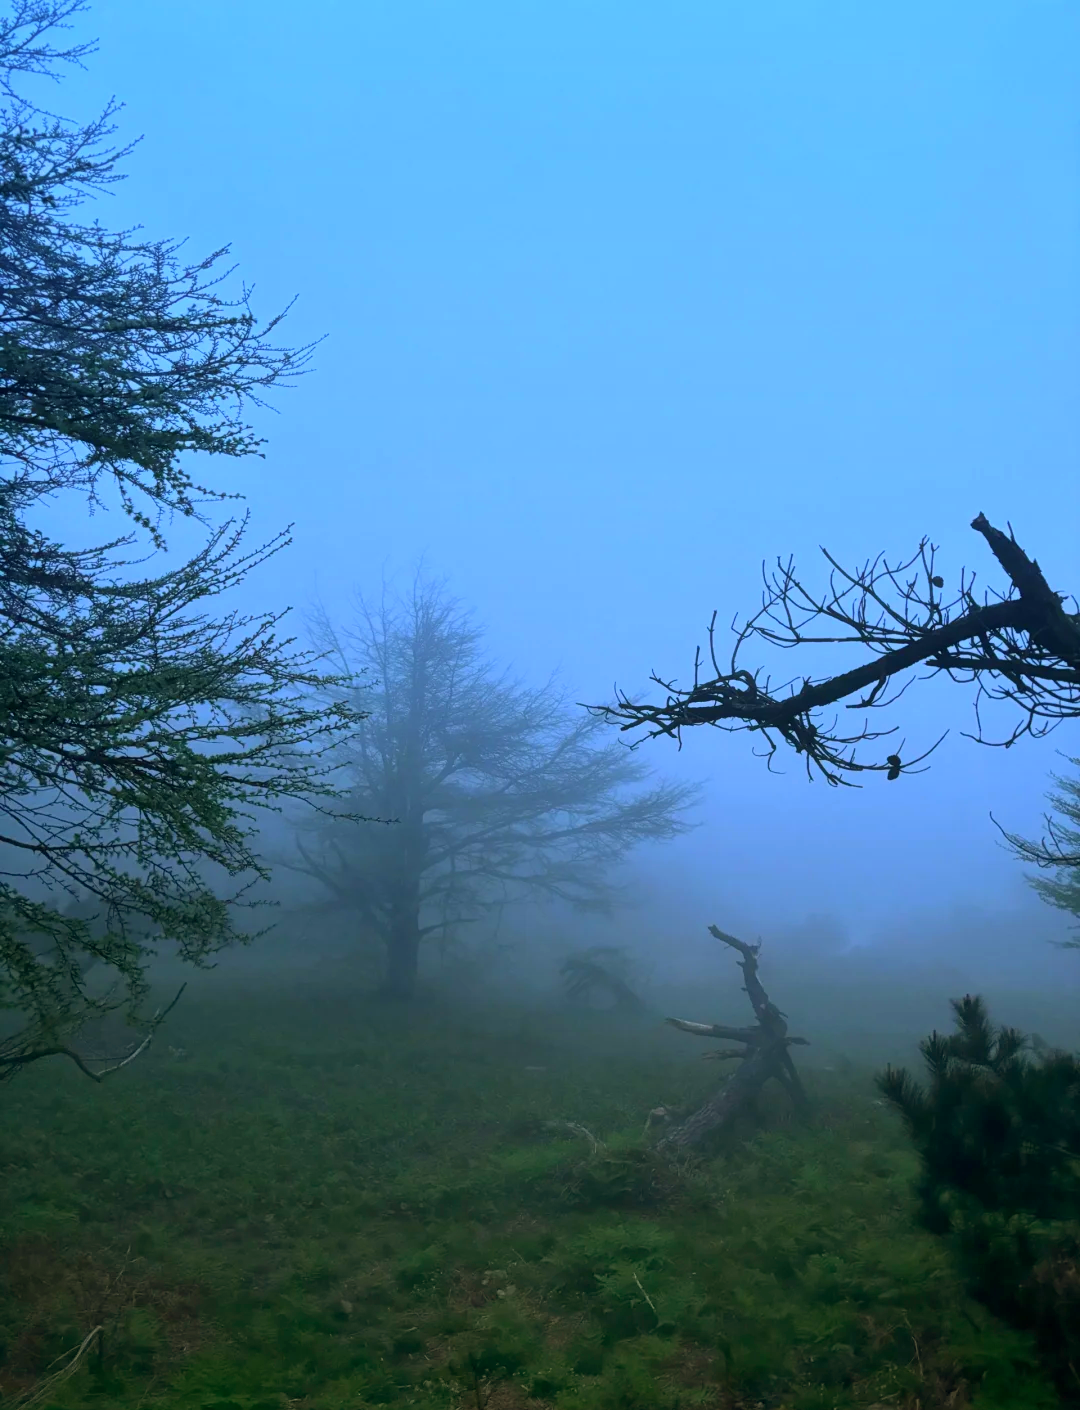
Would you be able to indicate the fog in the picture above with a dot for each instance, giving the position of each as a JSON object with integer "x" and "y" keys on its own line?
{"x": 620, "y": 303}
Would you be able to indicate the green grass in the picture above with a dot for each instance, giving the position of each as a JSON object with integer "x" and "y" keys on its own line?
{"x": 324, "y": 1206}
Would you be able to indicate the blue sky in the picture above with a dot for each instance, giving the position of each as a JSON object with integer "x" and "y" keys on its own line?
{"x": 622, "y": 299}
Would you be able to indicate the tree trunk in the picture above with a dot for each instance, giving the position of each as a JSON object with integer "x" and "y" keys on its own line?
{"x": 402, "y": 954}
{"x": 722, "y": 1108}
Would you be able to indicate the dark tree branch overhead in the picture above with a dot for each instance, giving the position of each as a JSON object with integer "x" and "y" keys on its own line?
{"x": 1019, "y": 646}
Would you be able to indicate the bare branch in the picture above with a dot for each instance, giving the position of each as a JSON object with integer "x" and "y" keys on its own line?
{"x": 18, "y": 1052}
{"x": 1019, "y": 646}
{"x": 714, "y": 1030}
{"x": 68, "y": 1364}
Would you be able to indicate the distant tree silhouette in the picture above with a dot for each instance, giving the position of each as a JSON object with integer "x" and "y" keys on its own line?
{"x": 489, "y": 790}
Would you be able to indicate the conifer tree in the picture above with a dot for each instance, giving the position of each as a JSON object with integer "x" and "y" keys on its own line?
{"x": 997, "y": 1131}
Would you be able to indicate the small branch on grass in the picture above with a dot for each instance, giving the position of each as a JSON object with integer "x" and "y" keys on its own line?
{"x": 576, "y": 1129}
{"x": 659, "y": 1116}
{"x": 647, "y": 1298}
{"x": 72, "y": 1359}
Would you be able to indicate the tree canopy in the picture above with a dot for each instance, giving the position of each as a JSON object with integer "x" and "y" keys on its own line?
{"x": 117, "y": 357}
{"x": 140, "y": 727}
{"x": 491, "y": 790}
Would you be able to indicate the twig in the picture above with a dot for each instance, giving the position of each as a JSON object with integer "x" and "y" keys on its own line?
{"x": 647, "y": 1298}
{"x": 49, "y": 1384}
{"x": 578, "y": 1130}
{"x": 13, "y": 1060}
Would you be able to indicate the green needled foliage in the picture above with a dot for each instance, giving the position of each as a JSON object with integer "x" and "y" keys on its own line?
{"x": 139, "y": 734}
{"x": 1057, "y": 853}
{"x": 998, "y": 1137}
{"x": 116, "y": 358}
{"x": 139, "y": 728}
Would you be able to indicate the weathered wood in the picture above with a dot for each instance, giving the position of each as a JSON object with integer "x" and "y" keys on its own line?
{"x": 766, "y": 1055}
{"x": 725, "y": 1105}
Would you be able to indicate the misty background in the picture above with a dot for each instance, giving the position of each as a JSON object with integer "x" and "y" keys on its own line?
{"x": 619, "y": 303}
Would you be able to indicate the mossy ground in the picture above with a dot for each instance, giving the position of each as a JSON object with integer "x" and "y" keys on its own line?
{"x": 323, "y": 1205}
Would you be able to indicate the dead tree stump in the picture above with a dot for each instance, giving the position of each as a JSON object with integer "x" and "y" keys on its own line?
{"x": 763, "y": 1055}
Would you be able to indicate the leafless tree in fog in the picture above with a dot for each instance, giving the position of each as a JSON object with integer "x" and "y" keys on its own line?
{"x": 491, "y": 790}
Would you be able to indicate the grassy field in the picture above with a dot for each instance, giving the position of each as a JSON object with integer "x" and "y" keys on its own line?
{"x": 318, "y": 1205}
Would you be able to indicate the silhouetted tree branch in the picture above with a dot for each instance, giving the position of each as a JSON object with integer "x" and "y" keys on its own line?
{"x": 1019, "y": 646}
